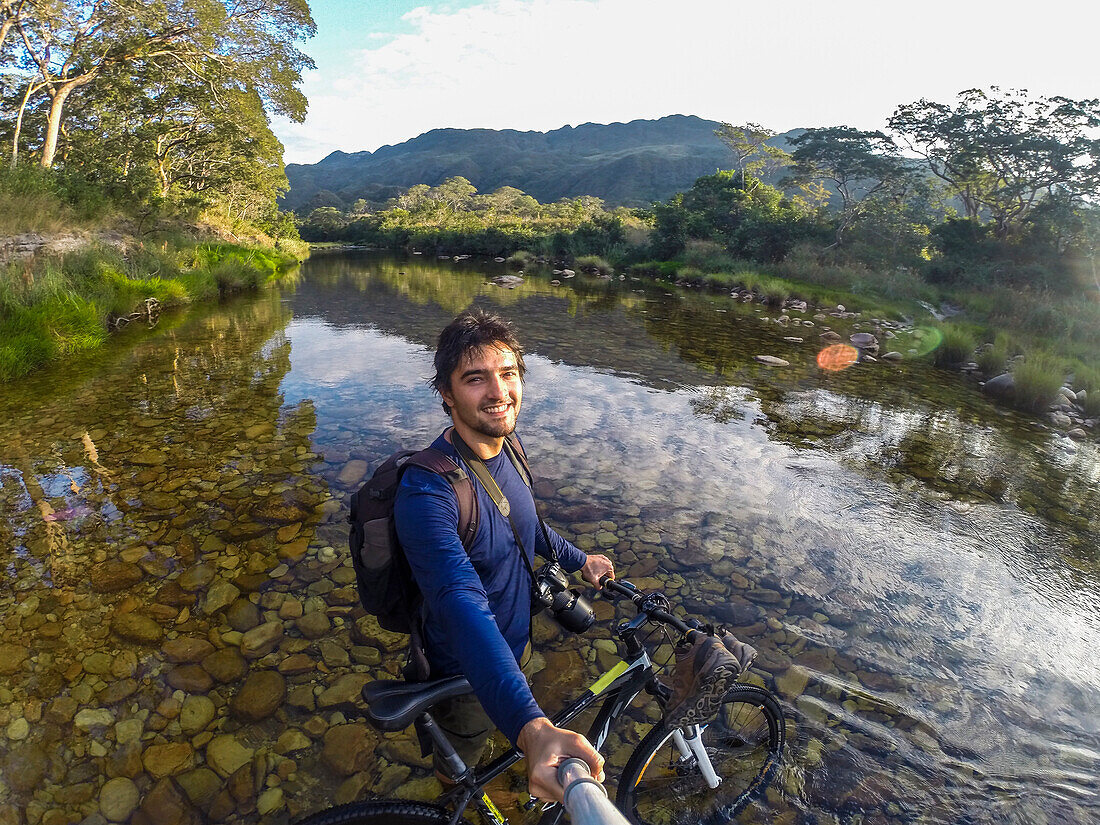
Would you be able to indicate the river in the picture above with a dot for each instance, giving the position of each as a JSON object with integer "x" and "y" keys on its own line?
{"x": 917, "y": 567}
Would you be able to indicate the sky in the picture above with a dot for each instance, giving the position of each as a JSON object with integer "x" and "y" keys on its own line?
{"x": 389, "y": 70}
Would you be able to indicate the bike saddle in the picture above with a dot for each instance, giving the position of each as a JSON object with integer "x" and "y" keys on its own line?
{"x": 393, "y": 704}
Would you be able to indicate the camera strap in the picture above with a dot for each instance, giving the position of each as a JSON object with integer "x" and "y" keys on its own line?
{"x": 482, "y": 474}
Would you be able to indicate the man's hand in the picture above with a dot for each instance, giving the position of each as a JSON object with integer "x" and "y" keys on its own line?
{"x": 595, "y": 568}
{"x": 546, "y": 747}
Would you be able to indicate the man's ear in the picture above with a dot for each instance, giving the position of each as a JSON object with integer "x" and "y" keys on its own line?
{"x": 448, "y": 398}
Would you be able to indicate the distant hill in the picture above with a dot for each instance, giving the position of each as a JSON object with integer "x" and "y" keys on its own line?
{"x": 626, "y": 164}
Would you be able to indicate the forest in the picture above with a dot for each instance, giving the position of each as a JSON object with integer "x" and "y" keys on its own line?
{"x": 139, "y": 132}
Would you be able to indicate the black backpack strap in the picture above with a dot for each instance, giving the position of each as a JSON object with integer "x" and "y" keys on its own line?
{"x": 440, "y": 463}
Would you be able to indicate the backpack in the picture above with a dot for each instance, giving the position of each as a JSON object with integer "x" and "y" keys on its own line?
{"x": 387, "y": 589}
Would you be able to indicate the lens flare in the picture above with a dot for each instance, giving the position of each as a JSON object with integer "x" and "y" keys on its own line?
{"x": 837, "y": 357}
{"x": 926, "y": 339}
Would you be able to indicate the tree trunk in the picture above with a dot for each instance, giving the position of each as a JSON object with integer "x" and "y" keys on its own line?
{"x": 53, "y": 122}
{"x": 31, "y": 89}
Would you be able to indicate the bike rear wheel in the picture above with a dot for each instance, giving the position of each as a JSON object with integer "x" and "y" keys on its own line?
{"x": 380, "y": 812}
{"x": 744, "y": 742}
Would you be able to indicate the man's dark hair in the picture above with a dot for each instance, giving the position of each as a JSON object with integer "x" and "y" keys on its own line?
{"x": 473, "y": 329}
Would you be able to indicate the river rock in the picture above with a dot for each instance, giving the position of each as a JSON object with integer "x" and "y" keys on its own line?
{"x": 200, "y": 785}
{"x": 196, "y": 577}
{"x": 165, "y": 760}
{"x": 220, "y": 596}
{"x": 165, "y": 805}
{"x": 114, "y": 575}
{"x": 345, "y": 691}
{"x": 1061, "y": 420}
{"x": 18, "y": 729}
{"x": 281, "y": 511}
{"x": 242, "y": 615}
{"x": 137, "y": 628}
{"x": 197, "y": 712}
{"x": 793, "y": 681}
{"x": 186, "y": 649}
{"x": 226, "y": 755}
{"x": 117, "y": 691}
{"x": 348, "y": 748}
{"x": 189, "y": 678}
{"x": 771, "y": 361}
{"x": 291, "y": 741}
{"x": 259, "y": 641}
{"x": 269, "y": 801}
{"x": 12, "y": 658}
{"x": 296, "y": 664}
{"x": 314, "y": 625}
{"x": 25, "y": 765}
{"x": 1001, "y": 386}
{"x": 118, "y": 798}
{"x": 225, "y": 665}
{"x": 352, "y": 473}
{"x": 259, "y": 696}
{"x": 91, "y": 718}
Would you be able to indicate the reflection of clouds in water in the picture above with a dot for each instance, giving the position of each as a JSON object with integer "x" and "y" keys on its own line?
{"x": 951, "y": 577}
{"x": 324, "y": 356}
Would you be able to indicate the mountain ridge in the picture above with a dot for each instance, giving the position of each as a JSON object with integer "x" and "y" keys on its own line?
{"x": 630, "y": 163}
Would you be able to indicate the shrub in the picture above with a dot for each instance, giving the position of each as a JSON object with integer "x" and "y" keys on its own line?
{"x": 1087, "y": 378}
{"x": 1038, "y": 378}
{"x": 593, "y": 263}
{"x": 992, "y": 359}
{"x": 520, "y": 260}
{"x": 689, "y": 275}
{"x": 774, "y": 291}
{"x": 956, "y": 346}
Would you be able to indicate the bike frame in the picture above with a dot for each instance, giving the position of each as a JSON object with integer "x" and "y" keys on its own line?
{"x": 617, "y": 687}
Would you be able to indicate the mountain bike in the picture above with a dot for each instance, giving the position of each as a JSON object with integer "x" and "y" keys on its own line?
{"x": 700, "y": 773}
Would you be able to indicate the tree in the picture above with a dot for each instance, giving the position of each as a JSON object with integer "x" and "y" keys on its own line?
{"x": 223, "y": 44}
{"x": 1002, "y": 153}
{"x": 456, "y": 193}
{"x": 753, "y": 155}
{"x": 863, "y": 168}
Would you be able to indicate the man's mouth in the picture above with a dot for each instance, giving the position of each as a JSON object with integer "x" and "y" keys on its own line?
{"x": 496, "y": 410}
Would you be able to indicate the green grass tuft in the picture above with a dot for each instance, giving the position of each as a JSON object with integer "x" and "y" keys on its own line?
{"x": 1038, "y": 378}
{"x": 956, "y": 346}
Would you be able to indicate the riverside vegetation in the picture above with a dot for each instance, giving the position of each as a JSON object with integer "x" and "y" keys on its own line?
{"x": 978, "y": 217}
{"x": 143, "y": 170}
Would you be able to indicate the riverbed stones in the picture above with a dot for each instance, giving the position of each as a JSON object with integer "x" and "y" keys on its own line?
{"x": 345, "y": 692}
{"x": 196, "y": 713}
{"x": 260, "y": 696}
{"x": 220, "y": 596}
{"x": 225, "y": 665}
{"x": 190, "y": 678}
{"x": 137, "y": 628}
{"x": 771, "y": 360}
{"x": 114, "y": 575}
{"x": 118, "y": 798}
{"x": 201, "y": 786}
{"x": 261, "y": 640}
{"x": 186, "y": 649}
{"x": 165, "y": 760}
{"x": 348, "y": 748}
{"x": 292, "y": 741}
{"x": 197, "y": 577}
{"x": 314, "y": 625}
{"x": 90, "y": 719}
{"x": 12, "y": 657}
{"x": 242, "y": 615}
{"x": 226, "y": 755}
{"x": 352, "y": 473}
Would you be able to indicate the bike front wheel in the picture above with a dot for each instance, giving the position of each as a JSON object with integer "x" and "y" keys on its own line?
{"x": 662, "y": 786}
{"x": 380, "y": 812}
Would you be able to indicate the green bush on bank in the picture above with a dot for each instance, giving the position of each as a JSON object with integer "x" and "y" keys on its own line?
{"x": 956, "y": 346}
{"x": 1038, "y": 377}
{"x": 63, "y": 306}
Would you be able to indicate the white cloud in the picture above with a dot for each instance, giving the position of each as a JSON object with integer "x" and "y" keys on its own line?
{"x": 541, "y": 64}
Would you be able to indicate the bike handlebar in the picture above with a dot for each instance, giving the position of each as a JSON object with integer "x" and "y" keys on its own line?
{"x": 645, "y": 603}
{"x": 584, "y": 798}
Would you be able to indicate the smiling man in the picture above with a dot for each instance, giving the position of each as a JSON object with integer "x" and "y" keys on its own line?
{"x": 478, "y": 601}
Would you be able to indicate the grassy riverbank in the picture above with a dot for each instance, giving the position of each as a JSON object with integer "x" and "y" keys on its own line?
{"x": 56, "y": 306}
{"x": 1043, "y": 338}
{"x": 81, "y": 257}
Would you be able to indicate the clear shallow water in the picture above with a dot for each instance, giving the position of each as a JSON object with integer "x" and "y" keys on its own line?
{"x": 917, "y": 567}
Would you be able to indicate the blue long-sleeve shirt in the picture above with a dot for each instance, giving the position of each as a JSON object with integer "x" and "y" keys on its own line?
{"x": 478, "y": 604}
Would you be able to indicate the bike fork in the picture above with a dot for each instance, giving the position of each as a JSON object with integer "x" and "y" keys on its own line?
{"x": 691, "y": 749}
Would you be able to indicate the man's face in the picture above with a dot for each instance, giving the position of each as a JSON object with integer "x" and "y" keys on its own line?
{"x": 485, "y": 393}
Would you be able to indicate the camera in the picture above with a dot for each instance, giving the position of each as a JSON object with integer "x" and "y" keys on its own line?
{"x": 551, "y": 592}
